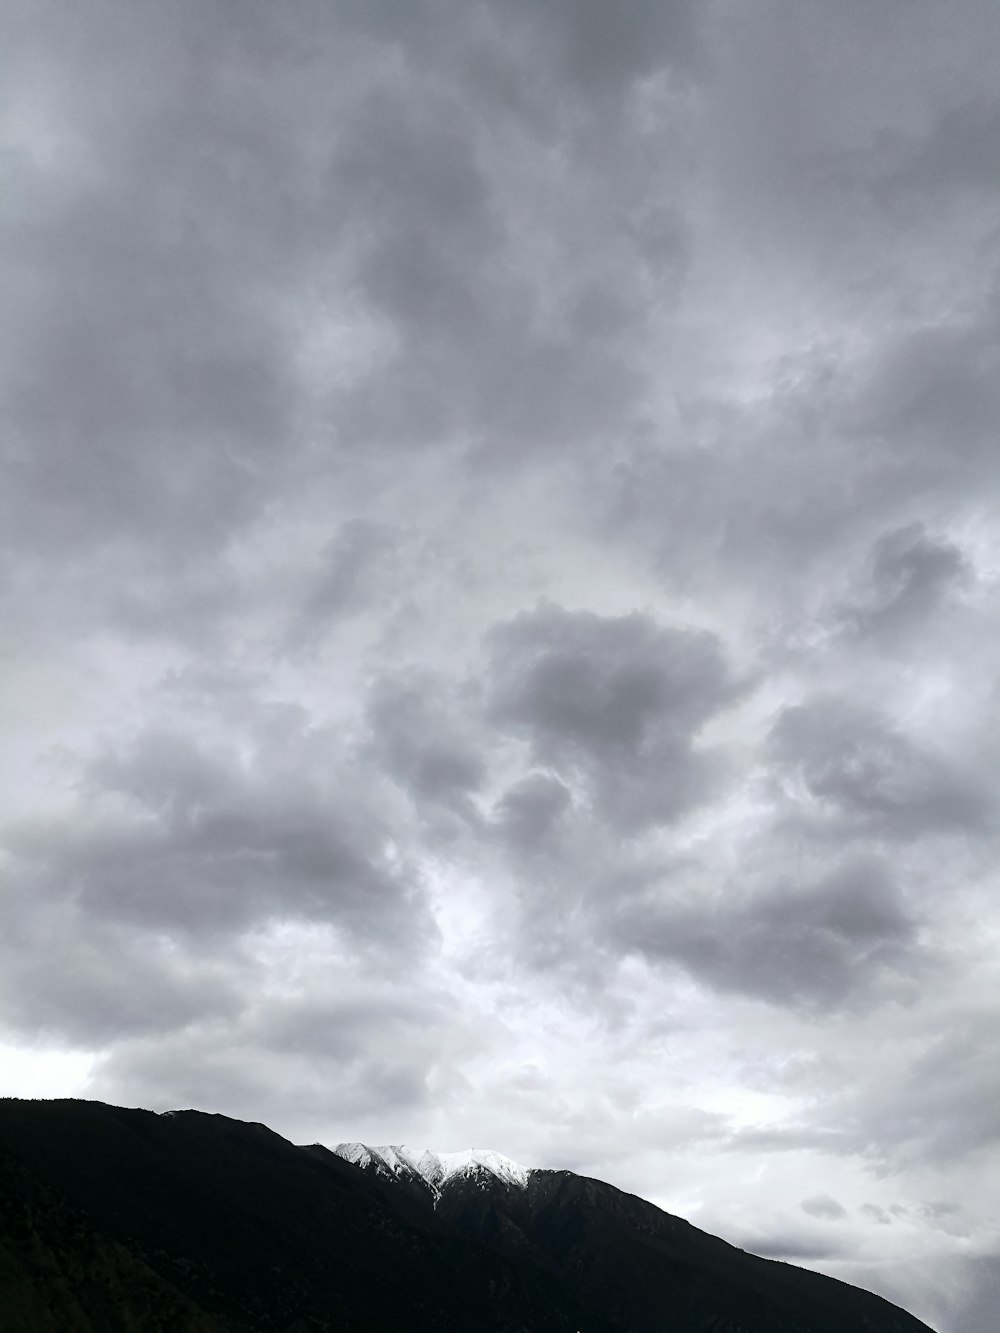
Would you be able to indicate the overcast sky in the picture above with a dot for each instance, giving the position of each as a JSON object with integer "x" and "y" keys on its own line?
{"x": 500, "y": 593}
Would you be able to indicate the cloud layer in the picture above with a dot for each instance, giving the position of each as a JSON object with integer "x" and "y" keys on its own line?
{"x": 499, "y": 582}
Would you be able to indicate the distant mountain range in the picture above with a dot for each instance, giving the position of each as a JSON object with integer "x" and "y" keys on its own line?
{"x": 125, "y": 1221}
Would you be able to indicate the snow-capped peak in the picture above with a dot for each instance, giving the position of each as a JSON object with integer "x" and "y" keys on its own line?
{"x": 433, "y": 1167}
{"x": 447, "y": 1164}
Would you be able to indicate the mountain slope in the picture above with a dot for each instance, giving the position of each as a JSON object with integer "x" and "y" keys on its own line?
{"x": 123, "y": 1221}
{"x": 634, "y": 1262}
{"x": 630, "y": 1260}
{"x": 120, "y": 1220}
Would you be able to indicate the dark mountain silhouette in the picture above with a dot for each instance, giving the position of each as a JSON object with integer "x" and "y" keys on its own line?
{"x": 124, "y": 1221}
{"x": 635, "y": 1262}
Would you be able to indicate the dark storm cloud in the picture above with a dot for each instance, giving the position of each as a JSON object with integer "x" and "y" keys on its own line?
{"x": 866, "y": 775}
{"x": 818, "y": 473}
{"x": 173, "y": 1041}
{"x": 511, "y": 297}
{"x": 844, "y": 941}
{"x": 118, "y": 910}
{"x": 69, "y": 978}
{"x": 750, "y": 498}
{"x": 148, "y": 387}
{"x": 227, "y": 1070}
{"x": 488, "y": 348}
{"x": 355, "y": 1046}
{"x": 594, "y": 48}
{"x": 201, "y": 196}
{"x": 355, "y": 342}
{"x": 151, "y": 394}
{"x": 910, "y": 575}
{"x": 531, "y": 810}
{"x": 959, "y": 153}
{"x": 192, "y": 188}
{"x": 614, "y": 702}
{"x": 226, "y": 841}
{"x": 351, "y": 567}
{"x": 208, "y": 185}
{"x": 417, "y": 735}
{"x": 421, "y": 204}
{"x": 346, "y": 1027}
{"x": 838, "y": 444}
{"x": 415, "y": 185}
{"x": 933, "y": 392}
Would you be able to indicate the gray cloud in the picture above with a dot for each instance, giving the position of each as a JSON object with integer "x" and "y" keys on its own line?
{"x": 615, "y": 702}
{"x": 934, "y": 391}
{"x": 940, "y": 1208}
{"x": 351, "y": 1027}
{"x": 230, "y": 1072}
{"x": 120, "y": 915}
{"x": 793, "y": 1247}
{"x": 910, "y": 576}
{"x": 960, "y": 152}
{"x": 866, "y": 774}
{"x": 944, "y": 1107}
{"x": 837, "y": 942}
{"x": 70, "y": 979}
{"x": 597, "y": 52}
{"x": 148, "y": 386}
{"x": 529, "y": 811}
{"x": 352, "y": 567}
{"x": 973, "y": 1307}
{"x": 823, "y": 1206}
{"x": 418, "y": 739}
{"x": 937, "y": 1109}
{"x": 396, "y": 388}
{"x": 223, "y": 846}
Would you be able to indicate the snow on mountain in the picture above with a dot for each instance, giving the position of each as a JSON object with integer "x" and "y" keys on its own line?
{"x": 486, "y": 1159}
{"x": 432, "y": 1167}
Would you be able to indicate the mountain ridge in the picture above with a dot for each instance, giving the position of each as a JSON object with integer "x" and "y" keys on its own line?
{"x": 588, "y": 1233}
{"x": 435, "y": 1168}
{"x": 119, "y": 1220}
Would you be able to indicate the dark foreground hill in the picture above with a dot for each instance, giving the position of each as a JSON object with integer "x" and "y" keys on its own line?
{"x": 123, "y": 1221}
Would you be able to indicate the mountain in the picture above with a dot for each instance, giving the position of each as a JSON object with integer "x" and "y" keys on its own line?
{"x": 637, "y": 1265}
{"x": 427, "y": 1175}
{"x": 124, "y": 1221}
